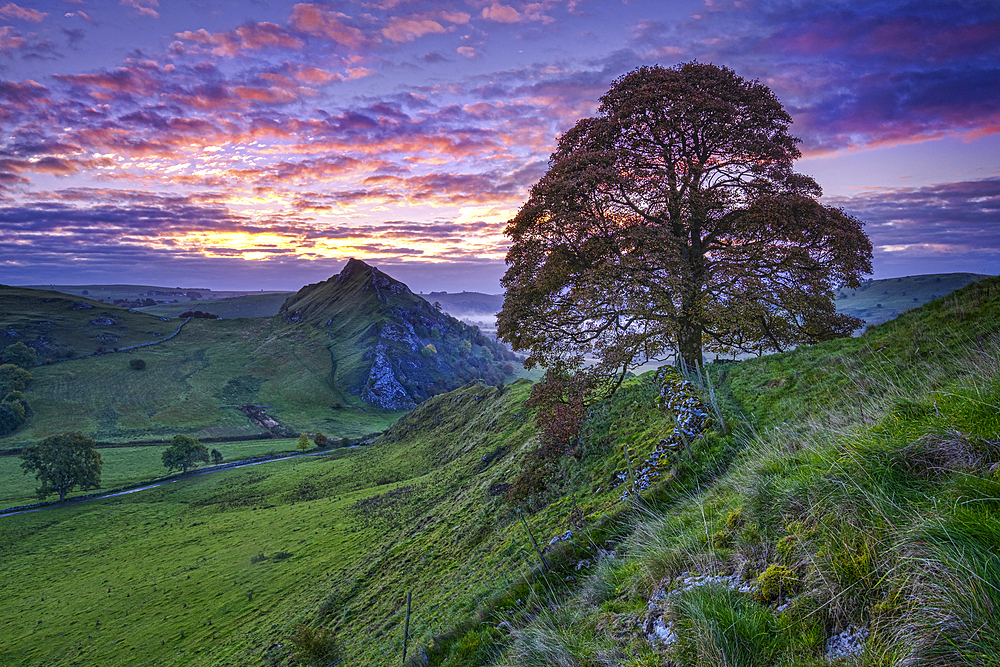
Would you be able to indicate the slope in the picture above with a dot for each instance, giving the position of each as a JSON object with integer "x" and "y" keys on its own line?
{"x": 857, "y": 523}
{"x": 61, "y": 326}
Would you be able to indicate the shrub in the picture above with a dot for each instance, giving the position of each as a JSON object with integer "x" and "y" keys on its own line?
{"x": 137, "y": 364}
{"x": 19, "y": 354}
{"x": 320, "y": 440}
{"x": 429, "y": 350}
{"x": 313, "y": 647}
{"x": 216, "y": 457}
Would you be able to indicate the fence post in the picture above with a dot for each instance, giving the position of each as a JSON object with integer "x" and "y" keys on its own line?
{"x": 406, "y": 626}
{"x": 545, "y": 563}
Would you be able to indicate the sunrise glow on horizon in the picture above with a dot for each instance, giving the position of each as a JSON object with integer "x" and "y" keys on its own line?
{"x": 244, "y": 145}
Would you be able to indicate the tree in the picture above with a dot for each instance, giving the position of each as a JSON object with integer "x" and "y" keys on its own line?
{"x": 184, "y": 452}
{"x": 320, "y": 440}
{"x": 19, "y": 354}
{"x": 216, "y": 457}
{"x": 62, "y": 462}
{"x": 13, "y": 378}
{"x": 304, "y": 443}
{"x": 137, "y": 364}
{"x": 673, "y": 221}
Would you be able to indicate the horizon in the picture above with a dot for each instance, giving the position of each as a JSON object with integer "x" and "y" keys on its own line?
{"x": 265, "y": 144}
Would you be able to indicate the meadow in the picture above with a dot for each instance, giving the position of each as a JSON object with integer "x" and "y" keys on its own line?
{"x": 127, "y": 466}
{"x": 854, "y": 486}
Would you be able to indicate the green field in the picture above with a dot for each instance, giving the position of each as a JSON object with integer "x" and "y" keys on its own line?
{"x": 126, "y": 466}
{"x": 856, "y": 476}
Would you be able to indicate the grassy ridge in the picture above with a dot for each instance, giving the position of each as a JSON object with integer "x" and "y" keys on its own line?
{"x": 865, "y": 496}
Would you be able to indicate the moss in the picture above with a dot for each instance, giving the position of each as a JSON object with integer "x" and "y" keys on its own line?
{"x": 776, "y": 582}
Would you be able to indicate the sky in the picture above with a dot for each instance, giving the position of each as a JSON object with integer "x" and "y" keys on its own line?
{"x": 259, "y": 144}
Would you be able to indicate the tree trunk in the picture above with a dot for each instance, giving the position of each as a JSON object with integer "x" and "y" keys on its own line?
{"x": 689, "y": 343}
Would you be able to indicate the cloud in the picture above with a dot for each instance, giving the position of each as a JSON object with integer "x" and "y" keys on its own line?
{"x": 409, "y": 29}
{"x": 10, "y": 40}
{"x": 467, "y": 51}
{"x": 12, "y": 12}
{"x": 501, "y": 13}
{"x": 143, "y": 7}
{"x": 955, "y": 219}
{"x": 321, "y": 21}
{"x": 246, "y": 38}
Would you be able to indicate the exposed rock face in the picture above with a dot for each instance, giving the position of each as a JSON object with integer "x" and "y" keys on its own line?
{"x": 382, "y": 388}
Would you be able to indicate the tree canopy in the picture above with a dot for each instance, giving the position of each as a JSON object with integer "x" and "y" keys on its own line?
{"x": 184, "y": 452}
{"x": 673, "y": 222}
{"x": 62, "y": 462}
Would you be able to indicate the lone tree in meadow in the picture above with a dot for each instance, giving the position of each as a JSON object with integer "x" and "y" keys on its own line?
{"x": 184, "y": 452}
{"x": 673, "y": 221}
{"x": 303, "y": 443}
{"x": 62, "y": 462}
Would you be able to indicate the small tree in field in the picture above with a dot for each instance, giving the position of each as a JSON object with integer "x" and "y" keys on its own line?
{"x": 320, "y": 440}
{"x": 304, "y": 443}
{"x": 183, "y": 453}
{"x": 62, "y": 462}
{"x": 216, "y": 457}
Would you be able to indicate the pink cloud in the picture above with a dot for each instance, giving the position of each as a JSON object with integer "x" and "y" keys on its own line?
{"x": 320, "y": 21}
{"x": 143, "y": 7}
{"x": 501, "y": 13}
{"x": 10, "y": 40}
{"x": 12, "y": 12}
{"x": 409, "y": 29}
{"x": 467, "y": 51}
{"x": 247, "y": 37}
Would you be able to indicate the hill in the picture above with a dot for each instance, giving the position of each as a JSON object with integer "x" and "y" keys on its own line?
{"x": 59, "y": 326}
{"x": 878, "y": 301}
{"x": 350, "y": 349}
{"x": 400, "y": 350}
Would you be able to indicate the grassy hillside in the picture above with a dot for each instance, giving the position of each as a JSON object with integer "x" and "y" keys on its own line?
{"x": 858, "y": 523}
{"x": 878, "y": 301}
{"x": 60, "y": 326}
{"x": 251, "y": 305}
{"x": 854, "y": 491}
{"x": 194, "y": 383}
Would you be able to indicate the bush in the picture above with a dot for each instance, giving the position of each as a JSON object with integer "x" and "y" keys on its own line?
{"x": 320, "y": 440}
{"x": 13, "y": 378}
{"x": 19, "y": 354}
{"x": 137, "y": 364}
{"x": 216, "y": 457}
{"x": 313, "y": 647}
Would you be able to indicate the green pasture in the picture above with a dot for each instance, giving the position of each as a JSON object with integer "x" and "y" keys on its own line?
{"x": 125, "y": 466}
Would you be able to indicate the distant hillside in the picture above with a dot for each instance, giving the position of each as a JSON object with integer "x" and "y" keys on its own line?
{"x": 59, "y": 326}
{"x": 266, "y": 304}
{"x": 391, "y": 347}
{"x": 879, "y": 301}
